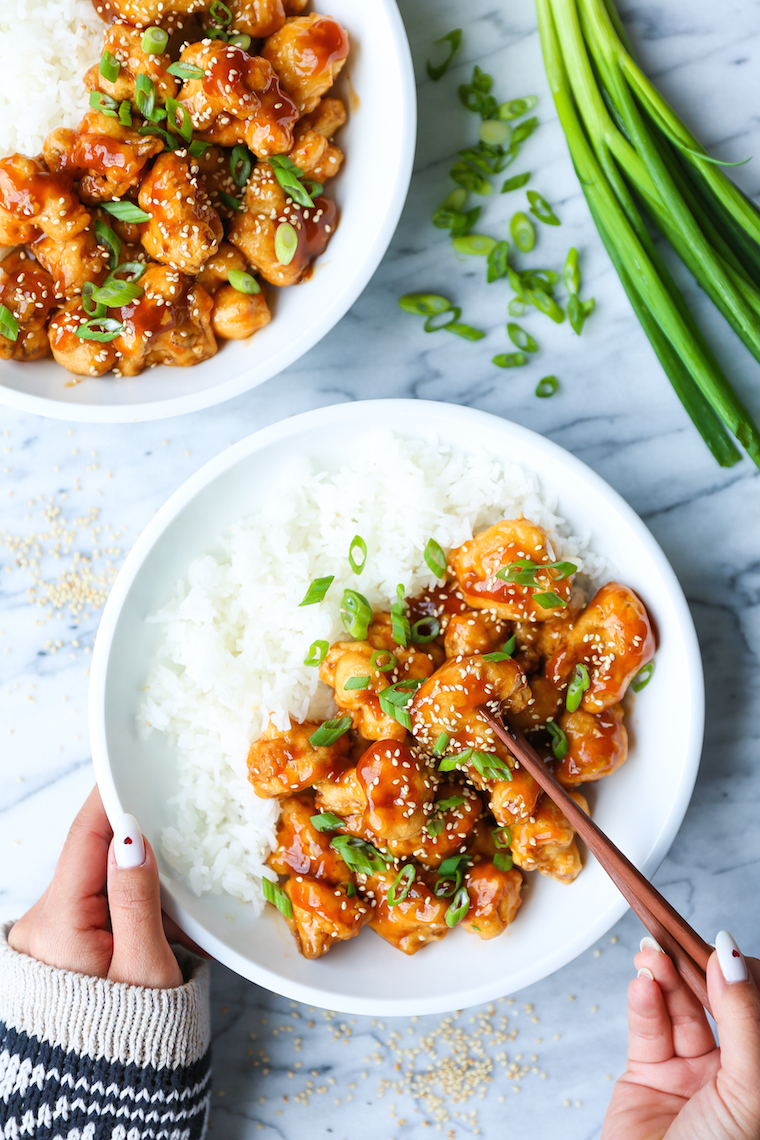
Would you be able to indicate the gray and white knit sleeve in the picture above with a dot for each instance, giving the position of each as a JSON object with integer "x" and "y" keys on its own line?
{"x": 87, "y": 1059}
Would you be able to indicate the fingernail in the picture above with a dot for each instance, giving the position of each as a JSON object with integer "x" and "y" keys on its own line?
{"x": 730, "y": 958}
{"x": 648, "y": 943}
{"x": 128, "y": 843}
{"x": 645, "y": 973}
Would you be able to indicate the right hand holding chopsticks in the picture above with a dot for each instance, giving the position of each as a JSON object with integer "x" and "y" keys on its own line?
{"x": 678, "y": 1084}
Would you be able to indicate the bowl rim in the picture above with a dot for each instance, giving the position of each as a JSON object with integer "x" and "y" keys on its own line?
{"x": 412, "y": 413}
{"x": 59, "y": 409}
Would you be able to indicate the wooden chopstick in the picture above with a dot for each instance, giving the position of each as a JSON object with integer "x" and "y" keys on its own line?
{"x": 688, "y": 951}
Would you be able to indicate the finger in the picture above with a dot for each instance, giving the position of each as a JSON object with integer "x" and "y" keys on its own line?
{"x": 18, "y": 936}
{"x": 690, "y": 1029}
{"x": 736, "y": 1007}
{"x": 649, "y": 1033}
{"x": 175, "y": 933}
{"x": 81, "y": 870}
{"x": 141, "y": 954}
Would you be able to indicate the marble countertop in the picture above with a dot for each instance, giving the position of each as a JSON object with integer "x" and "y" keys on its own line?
{"x": 282, "y": 1068}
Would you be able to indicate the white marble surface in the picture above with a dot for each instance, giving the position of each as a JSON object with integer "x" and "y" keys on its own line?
{"x": 615, "y": 411}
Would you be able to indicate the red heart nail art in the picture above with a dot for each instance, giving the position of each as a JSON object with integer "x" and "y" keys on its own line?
{"x": 127, "y": 840}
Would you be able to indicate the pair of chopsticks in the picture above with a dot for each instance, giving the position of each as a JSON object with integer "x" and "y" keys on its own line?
{"x": 679, "y": 941}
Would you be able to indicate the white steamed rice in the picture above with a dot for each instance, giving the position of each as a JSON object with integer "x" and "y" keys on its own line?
{"x": 234, "y": 637}
{"x": 45, "y": 48}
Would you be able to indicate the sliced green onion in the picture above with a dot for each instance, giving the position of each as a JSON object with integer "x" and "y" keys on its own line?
{"x": 520, "y": 338}
{"x": 643, "y": 677}
{"x": 357, "y": 683}
{"x": 8, "y": 324}
{"x": 104, "y": 103}
{"x": 525, "y": 572}
{"x": 465, "y": 331}
{"x": 401, "y": 885}
{"x": 240, "y": 165}
{"x": 515, "y": 182}
{"x": 125, "y": 212}
{"x": 434, "y": 825}
{"x": 524, "y": 130}
{"x": 289, "y": 175}
{"x": 435, "y": 323}
{"x": 571, "y": 274}
{"x": 549, "y": 600}
{"x": 450, "y": 763}
{"x": 394, "y": 699}
{"x": 502, "y": 836}
{"x": 579, "y": 683}
{"x": 350, "y": 888}
{"x": 317, "y": 653}
{"x": 220, "y": 13}
{"x": 154, "y": 41}
{"x": 330, "y": 731}
{"x": 559, "y": 740}
{"x": 355, "y": 613}
{"x": 490, "y": 766}
{"x": 503, "y": 861}
{"x": 145, "y": 95}
{"x": 577, "y": 311}
{"x": 109, "y": 67}
{"x": 541, "y": 209}
{"x": 435, "y": 558}
{"x": 465, "y": 175}
{"x": 399, "y": 620}
{"x": 498, "y": 266}
{"x": 438, "y": 70}
{"x": 504, "y": 653}
{"x": 545, "y": 304}
{"x": 233, "y": 203}
{"x": 125, "y": 113}
{"x": 495, "y": 132}
{"x": 509, "y": 359}
{"x": 440, "y": 745}
{"x": 198, "y": 148}
{"x": 182, "y": 126}
{"x": 424, "y": 304}
{"x": 357, "y": 544}
{"x": 475, "y": 95}
{"x": 241, "y": 40}
{"x": 285, "y": 243}
{"x": 425, "y": 629}
{"x": 477, "y": 245}
{"x": 522, "y": 231}
{"x": 390, "y": 664}
{"x": 103, "y": 329}
{"x": 274, "y": 894}
{"x": 170, "y": 141}
{"x": 517, "y": 307}
{"x": 317, "y": 590}
{"x": 216, "y": 34}
{"x": 517, "y": 107}
{"x": 105, "y": 236}
{"x": 458, "y": 907}
{"x": 243, "y": 282}
{"x": 359, "y": 856}
{"x": 186, "y": 71}
{"x": 92, "y": 307}
{"x": 326, "y": 821}
{"x": 114, "y": 293}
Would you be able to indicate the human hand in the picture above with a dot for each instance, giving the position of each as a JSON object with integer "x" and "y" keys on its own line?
{"x": 678, "y": 1083}
{"x": 101, "y": 914}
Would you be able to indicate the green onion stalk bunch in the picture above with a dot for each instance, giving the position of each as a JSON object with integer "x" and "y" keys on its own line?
{"x": 631, "y": 151}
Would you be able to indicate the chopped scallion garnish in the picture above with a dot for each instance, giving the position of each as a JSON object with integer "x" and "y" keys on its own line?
{"x": 475, "y": 245}
{"x": 317, "y": 652}
{"x": 105, "y": 236}
{"x": 504, "y": 653}
{"x": 355, "y": 613}
{"x": 438, "y": 70}
{"x": 233, "y": 203}
{"x": 317, "y": 590}
{"x": 326, "y": 821}
{"x": 330, "y": 731}
{"x": 440, "y": 745}
{"x": 559, "y": 740}
{"x": 643, "y": 677}
{"x": 357, "y": 682}
{"x": 154, "y": 41}
{"x": 547, "y": 386}
{"x": 502, "y": 861}
{"x": 509, "y": 359}
{"x": 241, "y": 165}
{"x": 517, "y": 107}
{"x": 401, "y": 885}
{"x": 289, "y": 176}
{"x": 520, "y": 338}
{"x": 522, "y": 231}
{"x": 425, "y": 629}
{"x": 220, "y": 13}
{"x": 435, "y": 558}
{"x": 424, "y": 304}
{"x": 285, "y": 243}
{"x": 388, "y": 665}
{"x": 541, "y": 209}
{"x": 8, "y": 324}
{"x": 458, "y": 907}
{"x": 274, "y": 894}
{"x": 145, "y": 95}
{"x": 103, "y": 329}
{"x": 515, "y": 182}
{"x": 243, "y": 282}
{"x": 241, "y": 40}
{"x": 125, "y": 212}
{"x": 186, "y": 71}
{"x": 104, "y": 103}
{"x": 549, "y": 600}
{"x": 399, "y": 621}
{"x": 357, "y": 554}
{"x": 579, "y": 683}
{"x": 359, "y": 856}
{"x": 109, "y": 67}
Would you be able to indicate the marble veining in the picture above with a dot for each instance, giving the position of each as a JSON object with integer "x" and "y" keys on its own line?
{"x": 615, "y": 410}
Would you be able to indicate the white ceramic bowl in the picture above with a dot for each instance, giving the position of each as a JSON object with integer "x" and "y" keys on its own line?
{"x": 640, "y": 807}
{"x": 377, "y": 85}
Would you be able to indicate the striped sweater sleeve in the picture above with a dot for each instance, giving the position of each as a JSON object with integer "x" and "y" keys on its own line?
{"x": 87, "y": 1059}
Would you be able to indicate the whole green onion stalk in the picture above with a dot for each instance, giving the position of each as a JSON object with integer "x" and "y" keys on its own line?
{"x": 630, "y": 150}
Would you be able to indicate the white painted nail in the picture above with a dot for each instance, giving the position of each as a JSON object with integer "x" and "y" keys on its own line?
{"x": 645, "y": 973}
{"x": 730, "y": 958}
{"x": 648, "y": 943}
{"x": 128, "y": 843}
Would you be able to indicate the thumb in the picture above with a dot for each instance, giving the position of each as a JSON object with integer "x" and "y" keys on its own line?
{"x": 141, "y": 954}
{"x": 735, "y": 1003}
